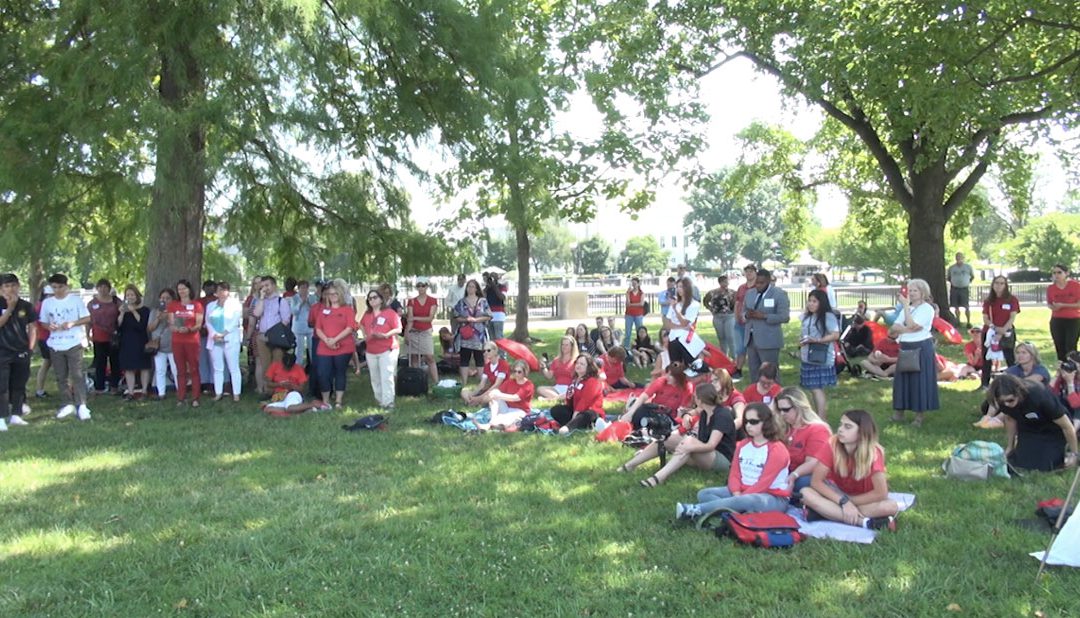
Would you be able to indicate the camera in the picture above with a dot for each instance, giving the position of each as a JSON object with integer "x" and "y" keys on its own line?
{"x": 1068, "y": 366}
{"x": 657, "y": 426}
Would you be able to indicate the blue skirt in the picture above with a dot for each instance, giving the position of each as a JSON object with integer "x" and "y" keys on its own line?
{"x": 817, "y": 376}
{"x": 917, "y": 390}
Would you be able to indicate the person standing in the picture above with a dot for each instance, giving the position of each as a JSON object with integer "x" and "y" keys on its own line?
{"x": 18, "y": 336}
{"x": 634, "y": 317}
{"x": 104, "y": 310}
{"x": 999, "y": 313}
{"x": 161, "y": 336}
{"x": 66, "y": 317}
{"x": 959, "y": 276}
{"x": 750, "y": 273}
{"x": 721, "y": 302}
{"x": 43, "y": 347}
{"x": 300, "y": 305}
{"x": 381, "y": 325}
{"x": 186, "y": 318}
{"x": 495, "y": 294}
{"x": 820, "y": 329}
{"x": 470, "y": 330}
{"x": 1063, "y": 298}
{"x": 269, "y": 309}
{"x": 132, "y": 326}
{"x": 419, "y": 314}
{"x": 454, "y": 294}
{"x": 224, "y": 331}
{"x": 335, "y": 325}
{"x": 915, "y": 389}
{"x": 680, "y": 318}
{"x": 766, "y": 308}
{"x": 206, "y": 367}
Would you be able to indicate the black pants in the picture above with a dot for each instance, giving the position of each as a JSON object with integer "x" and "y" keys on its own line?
{"x": 14, "y": 373}
{"x": 106, "y": 354}
{"x": 1010, "y": 360}
{"x": 565, "y": 417}
{"x": 1064, "y": 332}
{"x": 678, "y": 353}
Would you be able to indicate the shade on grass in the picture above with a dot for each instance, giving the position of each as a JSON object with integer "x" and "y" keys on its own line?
{"x": 218, "y": 511}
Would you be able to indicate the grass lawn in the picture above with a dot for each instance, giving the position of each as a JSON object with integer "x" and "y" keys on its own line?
{"x": 220, "y": 511}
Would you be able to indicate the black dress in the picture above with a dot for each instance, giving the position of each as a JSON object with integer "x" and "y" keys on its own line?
{"x": 133, "y": 340}
{"x": 1040, "y": 443}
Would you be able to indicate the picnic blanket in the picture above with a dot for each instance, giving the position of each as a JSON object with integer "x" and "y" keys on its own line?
{"x": 623, "y": 394}
{"x": 843, "y": 532}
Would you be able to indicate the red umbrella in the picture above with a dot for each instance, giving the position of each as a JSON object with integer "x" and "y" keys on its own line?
{"x": 948, "y": 331}
{"x": 519, "y": 351}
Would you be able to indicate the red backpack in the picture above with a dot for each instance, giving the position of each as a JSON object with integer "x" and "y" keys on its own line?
{"x": 768, "y": 529}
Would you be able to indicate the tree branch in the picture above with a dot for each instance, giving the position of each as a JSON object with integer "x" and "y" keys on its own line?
{"x": 961, "y": 193}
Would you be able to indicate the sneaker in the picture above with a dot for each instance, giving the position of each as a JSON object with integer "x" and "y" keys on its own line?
{"x": 881, "y": 523}
{"x": 84, "y": 413}
{"x": 16, "y": 421}
{"x": 66, "y": 411}
{"x": 40, "y": 394}
{"x": 3, "y": 425}
{"x": 26, "y": 408}
{"x": 736, "y": 375}
{"x": 686, "y": 511}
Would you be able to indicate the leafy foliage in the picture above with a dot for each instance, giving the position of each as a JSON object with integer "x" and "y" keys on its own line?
{"x": 1045, "y": 241}
{"x": 643, "y": 255}
{"x": 594, "y": 255}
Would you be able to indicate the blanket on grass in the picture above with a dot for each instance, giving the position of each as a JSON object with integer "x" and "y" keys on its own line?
{"x": 843, "y": 532}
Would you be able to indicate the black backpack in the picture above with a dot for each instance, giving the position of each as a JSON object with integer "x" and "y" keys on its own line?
{"x": 412, "y": 382}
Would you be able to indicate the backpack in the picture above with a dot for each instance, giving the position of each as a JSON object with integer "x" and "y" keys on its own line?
{"x": 768, "y": 529}
{"x": 369, "y": 422}
{"x": 412, "y": 382}
{"x": 976, "y": 460}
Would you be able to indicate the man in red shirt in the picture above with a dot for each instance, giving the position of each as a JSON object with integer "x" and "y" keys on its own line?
{"x": 882, "y": 361}
{"x": 612, "y": 365}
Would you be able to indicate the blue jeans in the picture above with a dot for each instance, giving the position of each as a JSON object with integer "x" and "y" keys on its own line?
{"x": 724, "y": 324}
{"x": 712, "y": 498}
{"x": 631, "y": 324}
{"x": 331, "y": 371}
{"x": 740, "y": 339}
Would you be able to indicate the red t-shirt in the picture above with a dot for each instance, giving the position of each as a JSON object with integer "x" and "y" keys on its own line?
{"x": 184, "y": 314}
{"x": 753, "y": 395}
{"x": 500, "y": 369}
{"x": 973, "y": 353}
{"x": 889, "y": 347}
{"x": 613, "y": 370}
{"x": 670, "y": 396}
{"x": 103, "y": 316}
{"x": 422, "y": 310}
{"x": 587, "y": 395}
{"x": 732, "y": 399}
{"x": 332, "y": 321}
{"x": 525, "y": 391}
{"x": 42, "y": 328}
{"x": 562, "y": 372}
{"x": 740, "y": 298}
{"x": 1000, "y": 309}
{"x": 848, "y": 484}
{"x": 276, "y": 372}
{"x": 383, "y": 322}
{"x": 1069, "y": 294}
{"x": 635, "y": 298}
{"x": 807, "y": 441}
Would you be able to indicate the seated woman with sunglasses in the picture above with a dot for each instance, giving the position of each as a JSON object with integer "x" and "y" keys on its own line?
{"x": 1038, "y": 432}
{"x": 494, "y": 371}
{"x": 758, "y": 478}
{"x": 710, "y": 446}
{"x": 848, "y": 483}
{"x": 584, "y": 398}
{"x": 511, "y": 401}
{"x": 806, "y": 435}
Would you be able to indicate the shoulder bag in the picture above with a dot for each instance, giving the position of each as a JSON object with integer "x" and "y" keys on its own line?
{"x": 908, "y": 361}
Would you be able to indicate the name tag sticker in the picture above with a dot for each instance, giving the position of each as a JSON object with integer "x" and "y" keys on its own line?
{"x": 326, "y": 312}
{"x": 189, "y": 307}
{"x": 1033, "y": 416}
{"x": 1006, "y": 306}
{"x": 96, "y": 306}
{"x": 380, "y": 320}
{"x": 766, "y": 399}
{"x": 768, "y": 303}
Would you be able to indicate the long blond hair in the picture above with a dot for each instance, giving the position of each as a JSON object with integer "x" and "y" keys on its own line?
{"x": 799, "y": 400}
{"x": 865, "y": 450}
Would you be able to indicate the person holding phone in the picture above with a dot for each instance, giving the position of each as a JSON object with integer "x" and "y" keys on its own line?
{"x": 160, "y": 331}
{"x": 132, "y": 323}
{"x": 634, "y": 317}
{"x": 186, "y": 318}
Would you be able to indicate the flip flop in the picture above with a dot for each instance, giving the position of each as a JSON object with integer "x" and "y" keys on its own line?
{"x": 650, "y": 482}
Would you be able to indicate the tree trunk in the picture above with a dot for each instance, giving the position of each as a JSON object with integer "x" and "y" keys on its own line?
{"x": 521, "y": 320}
{"x": 926, "y": 233}
{"x": 177, "y": 209}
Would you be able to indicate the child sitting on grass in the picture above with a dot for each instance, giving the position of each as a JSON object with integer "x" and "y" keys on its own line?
{"x": 288, "y": 380}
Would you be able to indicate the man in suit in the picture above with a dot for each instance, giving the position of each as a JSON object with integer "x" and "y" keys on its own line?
{"x": 766, "y": 308}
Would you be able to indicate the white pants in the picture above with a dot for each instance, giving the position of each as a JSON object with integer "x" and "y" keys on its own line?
{"x": 383, "y": 370}
{"x": 161, "y": 361}
{"x": 220, "y": 356}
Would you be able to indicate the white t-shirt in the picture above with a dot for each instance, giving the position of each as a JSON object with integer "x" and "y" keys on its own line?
{"x": 56, "y": 311}
{"x": 923, "y": 315}
{"x": 690, "y": 314}
{"x": 752, "y": 459}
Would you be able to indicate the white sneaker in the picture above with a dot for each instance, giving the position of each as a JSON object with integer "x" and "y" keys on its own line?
{"x": 84, "y": 413}
{"x": 3, "y": 425}
{"x": 16, "y": 421}
{"x": 26, "y": 408}
{"x": 66, "y": 411}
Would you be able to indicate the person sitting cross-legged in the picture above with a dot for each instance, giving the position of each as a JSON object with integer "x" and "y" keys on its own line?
{"x": 288, "y": 380}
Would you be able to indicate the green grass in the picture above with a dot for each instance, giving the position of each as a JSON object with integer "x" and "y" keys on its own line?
{"x": 221, "y": 511}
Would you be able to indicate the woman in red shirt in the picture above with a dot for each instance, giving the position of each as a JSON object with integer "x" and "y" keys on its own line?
{"x": 634, "y": 318}
{"x": 765, "y": 389}
{"x": 614, "y": 368}
{"x": 512, "y": 401}
{"x": 335, "y": 323}
{"x": 666, "y": 395}
{"x": 999, "y": 313}
{"x": 1063, "y": 297}
{"x": 186, "y": 318}
{"x": 848, "y": 483}
{"x": 381, "y": 326}
{"x": 729, "y": 395}
{"x": 419, "y": 315}
{"x": 584, "y": 398}
{"x": 561, "y": 370}
{"x": 806, "y": 435}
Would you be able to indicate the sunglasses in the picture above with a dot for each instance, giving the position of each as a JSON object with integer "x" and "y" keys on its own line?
{"x": 752, "y": 421}
{"x": 518, "y": 371}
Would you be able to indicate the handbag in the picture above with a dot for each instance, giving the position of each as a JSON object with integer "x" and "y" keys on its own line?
{"x": 966, "y": 469}
{"x": 908, "y": 361}
{"x": 280, "y": 336}
{"x": 645, "y": 307}
{"x": 152, "y": 346}
{"x": 467, "y": 331}
{"x": 818, "y": 354}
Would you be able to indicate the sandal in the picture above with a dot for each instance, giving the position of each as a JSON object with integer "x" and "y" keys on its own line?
{"x": 622, "y": 468}
{"x": 650, "y": 482}
{"x": 917, "y": 422}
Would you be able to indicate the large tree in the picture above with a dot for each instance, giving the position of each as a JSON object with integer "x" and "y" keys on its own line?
{"x": 922, "y": 98}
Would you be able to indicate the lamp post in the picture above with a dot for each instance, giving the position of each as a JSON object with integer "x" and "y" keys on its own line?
{"x": 726, "y": 237}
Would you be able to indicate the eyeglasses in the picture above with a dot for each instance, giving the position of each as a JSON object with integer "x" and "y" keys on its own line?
{"x": 752, "y": 421}
{"x": 519, "y": 372}
{"x": 787, "y": 409}
{"x": 374, "y": 297}
{"x": 421, "y": 285}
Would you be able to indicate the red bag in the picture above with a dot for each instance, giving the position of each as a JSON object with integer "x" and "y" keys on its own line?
{"x": 615, "y": 432}
{"x": 467, "y": 331}
{"x": 768, "y": 529}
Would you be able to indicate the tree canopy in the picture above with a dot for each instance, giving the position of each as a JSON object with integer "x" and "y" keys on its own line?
{"x": 643, "y": 255}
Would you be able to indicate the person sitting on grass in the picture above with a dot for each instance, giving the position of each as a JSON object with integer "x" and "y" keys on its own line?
{"x": 561, "y": 369}
{"x": 1028, "y": 368}
{"x": 663, "y": 355}
{"x": 848, "y": 483}
{"x": 604, "y": 343}
{"x": 949, "y": 371}
{"x": 663, "y": 395}
{"x": 582, "y": 339}
{"x": 729, "y": 395}
{"x": 644, "y": 352}
{"x": 288, "y": 380}
{"x": 584, "y": 398}
{"x": 882, "y": 361}
{"x": 765, "y": 389}
{"x": 859, "y": 339}
{"x": 1066, "y": 386}
{"x": 806, "y": 435}
{"x": 758, "y": 478}
{"x": 710, "y": 445}
{"x": 613, "y": 366}
{"x": 495, "y": 370}
{"x": 1039, "y": 435}
{"x": 511, "y": 402}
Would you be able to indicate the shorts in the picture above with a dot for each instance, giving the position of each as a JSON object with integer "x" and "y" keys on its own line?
{"x": 46, "y": 353}
{"x": 959, "y": 297}
{"x": 476, "y": 355}
{"x": 419, "y": 342}
{"x": 293, "y": 398}
{"x": 720, "y": 463}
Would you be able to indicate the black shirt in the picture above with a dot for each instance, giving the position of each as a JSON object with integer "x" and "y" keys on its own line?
{"x": 14, "y": 340}
{"x": 723, "y": 420}
{"x": 860, "y": 336}
{"x": 1037, "y": 412}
